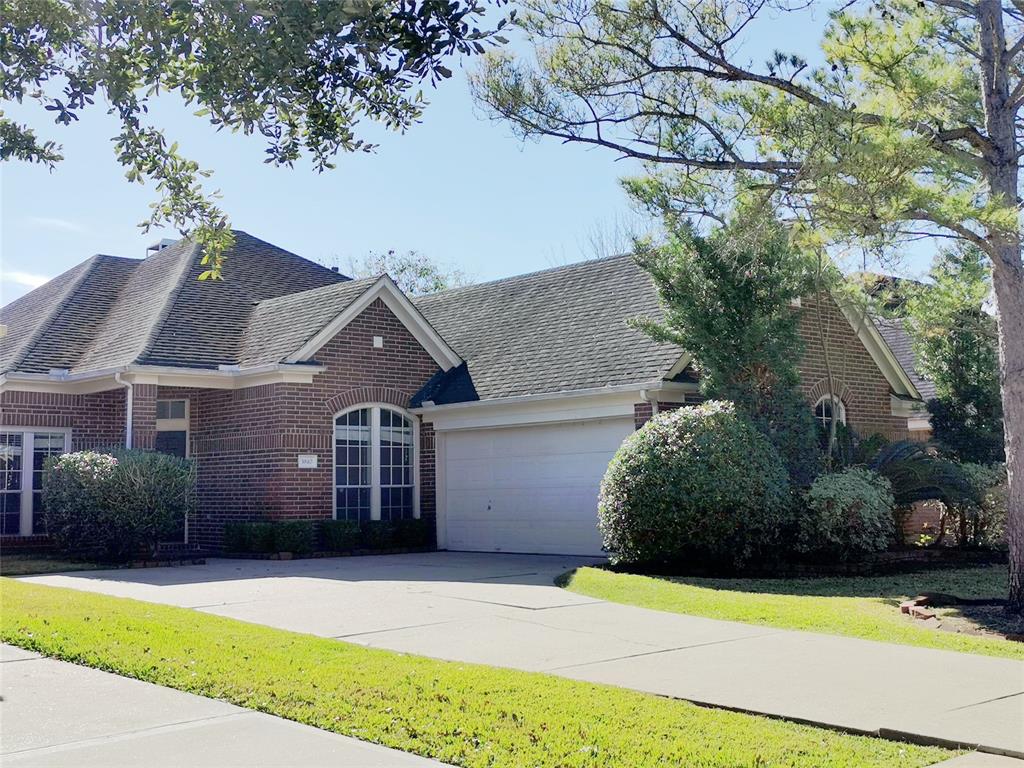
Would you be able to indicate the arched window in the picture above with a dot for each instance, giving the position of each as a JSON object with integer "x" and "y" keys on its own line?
{"x": 374, "y": 464}
{"x": 827, "y": 407}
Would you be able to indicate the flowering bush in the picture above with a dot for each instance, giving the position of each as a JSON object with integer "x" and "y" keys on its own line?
{"x": 698, "y": 484}
{"x": 847, "y": 514}
{"x": 116, "y": 506}
{"x": 74, "y": 497}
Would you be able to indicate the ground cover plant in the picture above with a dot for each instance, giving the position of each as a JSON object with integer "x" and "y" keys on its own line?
{"x": 464, "y": 714}
{"x": 865, "y": 607}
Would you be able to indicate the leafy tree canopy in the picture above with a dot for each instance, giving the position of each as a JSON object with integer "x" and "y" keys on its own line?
{"x": 302, "y": 74}
{"x": 729, "y": 300}
{"x": 955, "y": 341}
{"x": 415, "y": 273}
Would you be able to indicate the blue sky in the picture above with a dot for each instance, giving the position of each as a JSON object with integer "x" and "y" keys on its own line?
{"x": 458, "y": 187}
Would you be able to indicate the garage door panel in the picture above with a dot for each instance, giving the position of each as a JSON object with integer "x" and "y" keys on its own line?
{"x": 528, "y": 489}
{"x": 517, "y": 472}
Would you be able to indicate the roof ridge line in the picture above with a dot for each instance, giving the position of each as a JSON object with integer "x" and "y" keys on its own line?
{"x": 168, "y": 304}
{"x": 350, "y": 281}
{"x": 534, "y": 273}
{"x": 44, "y": 326}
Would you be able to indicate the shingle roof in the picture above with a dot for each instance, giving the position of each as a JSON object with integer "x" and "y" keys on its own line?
{"x": 109, "y": 312}
{"x": 49, "y": 327}
{"x": 282, "y": 325}
{"x": 558, "y": 330}
{"x": 895, "y": 334}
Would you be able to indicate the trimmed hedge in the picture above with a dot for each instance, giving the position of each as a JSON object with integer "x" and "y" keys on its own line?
{"x": 698, "y": 485}
{"x": 299, "y": 536}
{"x": 339, "y": 535}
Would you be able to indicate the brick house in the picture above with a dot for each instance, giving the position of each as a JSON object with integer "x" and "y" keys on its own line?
{"x": 492, "y": 409}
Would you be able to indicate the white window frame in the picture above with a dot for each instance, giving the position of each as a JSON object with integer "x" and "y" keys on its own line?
{"x": 28, "y": 435}
{"x": 177, "y": 425}
{"x": 838, "y": 409}
{"x": 375, "y": 409}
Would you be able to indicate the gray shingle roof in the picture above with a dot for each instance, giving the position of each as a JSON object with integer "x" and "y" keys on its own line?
{"x": 895, "y": 334}
{"x": 559, "y": 330}
{"x": 49, "y": 327}
{"x": 280, "y": 326}
{"x": 562, "y": 329}
{"x": 109, "y": 312}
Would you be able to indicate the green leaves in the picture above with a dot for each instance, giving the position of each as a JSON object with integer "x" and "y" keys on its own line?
{"x": 304, "y": 75}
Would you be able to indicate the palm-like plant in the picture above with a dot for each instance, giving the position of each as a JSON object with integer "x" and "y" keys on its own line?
{"x": 916, "y": 474}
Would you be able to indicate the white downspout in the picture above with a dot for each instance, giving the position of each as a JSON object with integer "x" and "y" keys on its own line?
{"x": 129, "y": 397}
{"x": 652, "y": 399}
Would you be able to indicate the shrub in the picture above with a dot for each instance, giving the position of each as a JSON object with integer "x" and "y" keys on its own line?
{"x": 266, "y": 537}
{"x": 150, "y": 497}
{"x": 339, "y": 535}
{"x": 847, "y": 514}
{"x": 376, "y": 534}
{"x": 413, "y": 533}
{"x": 74, "y": 496}
{"x": 697, "y": 484}
{"x": 979, "y": 519}
{"x": 116, "y": 506}
{"x": 296, "y": 536}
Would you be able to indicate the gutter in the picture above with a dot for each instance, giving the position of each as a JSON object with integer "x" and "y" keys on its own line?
{"x": 645, "y": 390}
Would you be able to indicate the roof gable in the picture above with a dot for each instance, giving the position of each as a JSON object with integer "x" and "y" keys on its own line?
{"x": 383, "y": 288}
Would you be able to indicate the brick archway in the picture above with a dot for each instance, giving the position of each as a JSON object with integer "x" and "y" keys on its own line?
{"x": 350, "y": 397}
{"x": 839, "y": 388}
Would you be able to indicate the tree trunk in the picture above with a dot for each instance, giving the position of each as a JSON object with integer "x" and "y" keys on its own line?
{"x": 1001, "y": 172}
{"x": 1009, "y": 290}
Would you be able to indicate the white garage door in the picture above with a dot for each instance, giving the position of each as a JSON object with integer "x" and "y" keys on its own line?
{"x": 528, "y": 489}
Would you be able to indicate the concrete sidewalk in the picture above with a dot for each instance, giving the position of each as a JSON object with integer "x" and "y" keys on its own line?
{"x": 503, "y": 610}
{"x": 57, "y": 714}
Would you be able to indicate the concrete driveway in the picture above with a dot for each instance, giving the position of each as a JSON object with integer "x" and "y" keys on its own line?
{"x": 504, "y": 610}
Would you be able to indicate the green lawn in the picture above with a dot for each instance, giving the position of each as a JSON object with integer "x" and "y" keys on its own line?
{"x": 464, "y": 714}
{"x": 25, "y": 565}
{"x": 866, "y": 607}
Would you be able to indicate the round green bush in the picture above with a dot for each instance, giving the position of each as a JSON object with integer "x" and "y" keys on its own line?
{"x": 116, "y": 506}
{"x": 697, "y": 485}
{"x": 847, "y": 514}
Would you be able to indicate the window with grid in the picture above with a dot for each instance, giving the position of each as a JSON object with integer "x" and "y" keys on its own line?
{"x": 396, "y": 479}
{"x": 44, "y": 445}
{"x": 11, "y": 457}
{"x": 374, "y": 461}
{"x": 352, "y": 469}
{"x": 826, "y": 407}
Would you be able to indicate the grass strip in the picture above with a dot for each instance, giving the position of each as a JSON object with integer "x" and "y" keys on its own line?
{"x": 465, "y": 714}
{"x": 864, "y": 607}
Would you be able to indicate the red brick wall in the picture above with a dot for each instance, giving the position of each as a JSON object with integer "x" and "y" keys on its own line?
{"x": 857, "y": 381}
{"x": 96, "y": 420}
{"x": 246, "y": 442}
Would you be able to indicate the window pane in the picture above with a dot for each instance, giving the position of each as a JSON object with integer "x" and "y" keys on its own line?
{"x": 352, "y": 465}
{"x": 171, "y": 442}
{"x": 44, "y": 445}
